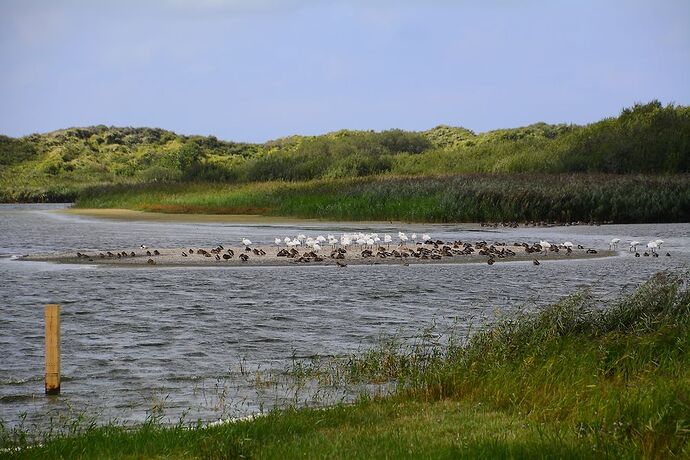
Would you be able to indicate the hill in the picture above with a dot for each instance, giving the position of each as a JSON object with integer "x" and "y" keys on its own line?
{"x": 646, "y": 138}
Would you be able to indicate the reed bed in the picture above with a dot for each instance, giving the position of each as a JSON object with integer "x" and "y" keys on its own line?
{"x": 451, "y": 198}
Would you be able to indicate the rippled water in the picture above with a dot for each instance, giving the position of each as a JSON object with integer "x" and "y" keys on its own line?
{"x": 134, "y": 339}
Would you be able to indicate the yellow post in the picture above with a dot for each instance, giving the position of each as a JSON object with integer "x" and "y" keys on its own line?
{"x": 52, "y": 317}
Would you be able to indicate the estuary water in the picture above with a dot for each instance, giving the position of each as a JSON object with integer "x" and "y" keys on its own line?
{"x": 195, "y": 342}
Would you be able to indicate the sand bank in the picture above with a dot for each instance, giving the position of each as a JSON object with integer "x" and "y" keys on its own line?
{"x": 268, "y": 256}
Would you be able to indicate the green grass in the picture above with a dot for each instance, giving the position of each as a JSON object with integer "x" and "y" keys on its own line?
{"x": 644, "y": 139}
{"x": 456, "y": 198}
{"x": 573, "y": 380}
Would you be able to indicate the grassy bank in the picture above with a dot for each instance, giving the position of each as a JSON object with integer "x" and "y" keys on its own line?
{"x": 573, "y": 380}
{"x": 456, "y": 198}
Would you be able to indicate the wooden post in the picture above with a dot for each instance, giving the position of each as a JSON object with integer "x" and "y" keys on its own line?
{"x": 52, "y": 317}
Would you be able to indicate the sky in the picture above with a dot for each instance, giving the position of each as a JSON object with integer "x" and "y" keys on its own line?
{"x": 255, "y": 70}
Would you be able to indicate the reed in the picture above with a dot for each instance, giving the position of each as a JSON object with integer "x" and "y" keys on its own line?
{"x": 449, "y": 198}
{"x": 575, "y": 380}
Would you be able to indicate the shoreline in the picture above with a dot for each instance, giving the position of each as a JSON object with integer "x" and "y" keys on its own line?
{"x": 267, "y": 256}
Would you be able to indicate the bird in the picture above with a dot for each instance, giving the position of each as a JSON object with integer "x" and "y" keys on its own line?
{"x": 184, "y": 254}
{"x": 340, "y": 264}
{"x": 535, "y": 261}
{"x": 426, "y": 237}
{"x": 278, "y": 241}
{"x": 387, "y": 239}
{"x": 246, "y": 242}
{"x": 403, "y": 238}
{"x": 568, "y": 245}
{"x": 143, "y": 246}
{"x": 653, "y": 246}
{"x": 545, "y": 246}
{"x": 634, "y": 245}
{"x": 613, "y": 244}
{"x": 151, "y": 262}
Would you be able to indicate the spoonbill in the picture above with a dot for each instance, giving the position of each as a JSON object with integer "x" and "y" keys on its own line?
{"x": 653, "y": 246}
{"x": 426, "y": 237}
{"x": 278, "y": 241}
{"x": 613, "y": 244}
{"x": 545, "y": 245}
{"x": 634, "y": 245}
{"x": 246, "y": 241}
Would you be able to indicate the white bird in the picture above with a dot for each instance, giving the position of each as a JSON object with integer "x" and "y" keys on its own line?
{"x": 317, "y": 247}
{"x": 143, "y": 246}
{"x": 387, "y": 239}
{"x": 568, "y": 244}
{"x": 614, "y": 243}
{"x": 633, "y": 246}
{"x": 278, "y": 241}
{"x": 659, "y": 242}
{"x": 246, "y": 242}
{"x": 653, "y": 246}
{"x": 426, "y": 237}
{"x": 545, "y": 245}
{"x": 320, "y": 239}
{"x": 403, "y": 238}
{"x": 287, "y": 240}
{"x": 414, "y": 237}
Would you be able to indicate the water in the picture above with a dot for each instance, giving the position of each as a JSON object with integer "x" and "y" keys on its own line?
{"x": 138, "y": 341}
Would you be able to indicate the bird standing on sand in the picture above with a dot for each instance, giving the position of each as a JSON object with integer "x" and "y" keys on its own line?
{"x": 246, "y": 242}
{"x": 613, "y": 244}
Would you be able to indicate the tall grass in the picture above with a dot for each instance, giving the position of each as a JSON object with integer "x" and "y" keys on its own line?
{"x": 454, "y": 198}
{"x": 575, "y": 380}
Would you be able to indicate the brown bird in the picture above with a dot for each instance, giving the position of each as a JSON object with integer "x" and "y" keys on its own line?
{"x": 151, "y": 262}
{"x": 244, "y": 257}
{"x": 535, "y": 262}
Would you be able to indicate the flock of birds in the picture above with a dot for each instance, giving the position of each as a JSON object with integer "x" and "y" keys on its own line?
{"x": 653, "y": 246}
{"x": 302, "y": 248}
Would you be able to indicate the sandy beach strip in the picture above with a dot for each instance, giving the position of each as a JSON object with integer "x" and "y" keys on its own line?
{"x": 267, "y": 256}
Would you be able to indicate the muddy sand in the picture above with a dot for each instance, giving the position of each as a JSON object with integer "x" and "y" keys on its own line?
{"x": 268, "y": 255}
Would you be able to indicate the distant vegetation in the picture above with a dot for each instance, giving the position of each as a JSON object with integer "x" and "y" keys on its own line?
{"x": 649, "y": 139}
{"x": 573, "y": 380}
{"x": 464, "y": 198}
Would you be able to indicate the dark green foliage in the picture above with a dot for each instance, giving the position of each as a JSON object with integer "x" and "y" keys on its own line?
{"x": 644, "y": 139}
{"x": 15, "y": 150}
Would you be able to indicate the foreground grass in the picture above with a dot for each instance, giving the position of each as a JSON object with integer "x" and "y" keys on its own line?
{"x": 463, "y": 198}
{"x": 573, "y": 380}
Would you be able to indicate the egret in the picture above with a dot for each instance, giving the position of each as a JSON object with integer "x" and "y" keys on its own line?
{"x": 246, "y": 242}
{"x": 613, "y": 245}
{"x": 634, "y": 245}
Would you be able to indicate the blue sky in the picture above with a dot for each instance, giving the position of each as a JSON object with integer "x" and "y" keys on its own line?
{"x": 253, "y": 70}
